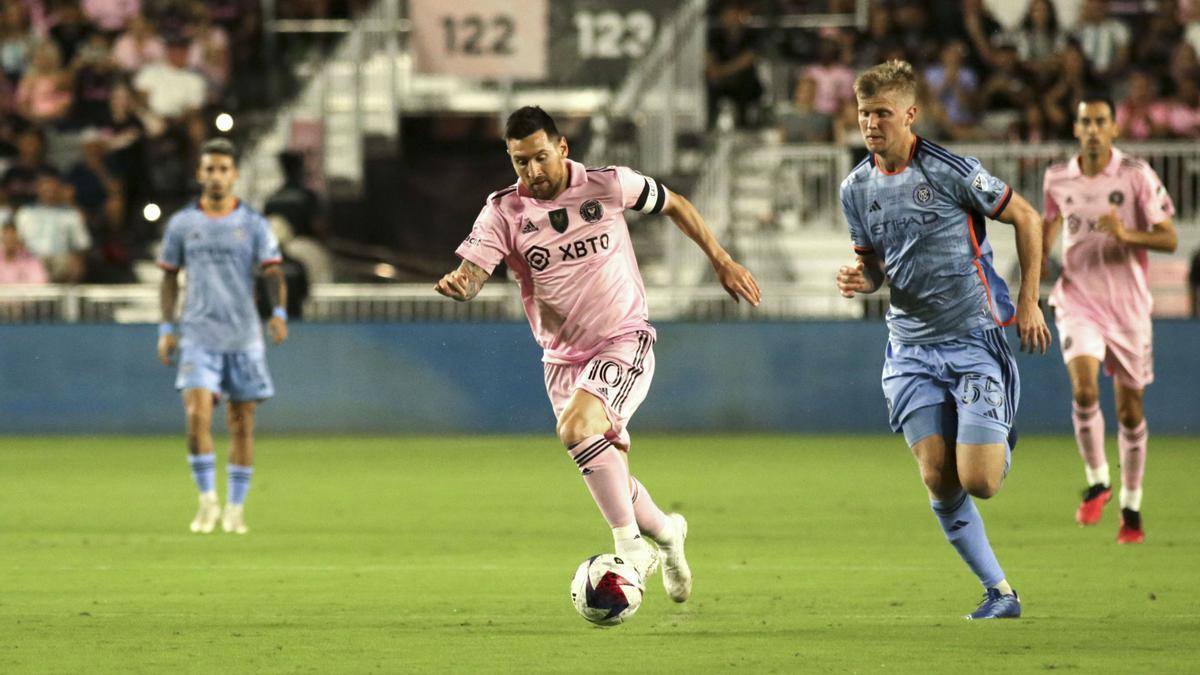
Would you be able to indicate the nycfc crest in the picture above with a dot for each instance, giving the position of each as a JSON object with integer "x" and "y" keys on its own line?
{"x": 923, "y": 194}
{"x": 591, "y": 211}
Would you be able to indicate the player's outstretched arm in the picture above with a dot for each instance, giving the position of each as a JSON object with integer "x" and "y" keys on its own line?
{"x": 168, "y": 294}
{"x": 737, "y": 280}
{"x": 463, "y": 283}
{"x": 1031, "y": 325}
{"x": 864, "y": 276}
{"x": 277, "y": 294}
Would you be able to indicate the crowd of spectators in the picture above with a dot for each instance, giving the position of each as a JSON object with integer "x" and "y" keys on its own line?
{"x": 983, "y": 76}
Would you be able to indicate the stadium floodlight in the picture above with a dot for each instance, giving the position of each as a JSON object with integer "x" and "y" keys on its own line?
{"x": 223, "y": 122}
{"x": 151, "y": 212}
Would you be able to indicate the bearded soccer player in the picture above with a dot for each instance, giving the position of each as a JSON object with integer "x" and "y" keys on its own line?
{"x": 561, "y": 230}
{"x": 1115, "y": 209}
{"x": 916, "y": 213}
{"x": 222, "y": 243}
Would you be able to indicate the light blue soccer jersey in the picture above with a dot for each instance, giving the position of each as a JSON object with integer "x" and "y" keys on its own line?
{"x": 926, "y": 222}
{"x": 221, "y": 255}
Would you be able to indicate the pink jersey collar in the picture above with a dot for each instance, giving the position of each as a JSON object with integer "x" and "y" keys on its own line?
{"x": 1110, "y": 169}
{"x": 576, "y": 176}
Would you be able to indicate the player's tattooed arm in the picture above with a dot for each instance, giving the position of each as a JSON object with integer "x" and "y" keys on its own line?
{"x": 463, "y": 283}
{"x": 277, "y": 294}
{"x": 1050, "y": 230}
{"x": 168, "y": 295}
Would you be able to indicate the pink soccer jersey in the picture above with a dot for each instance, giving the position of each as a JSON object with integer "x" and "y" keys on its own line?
{"x": 1103, "y": 281}
{"x": 572, "y": 257}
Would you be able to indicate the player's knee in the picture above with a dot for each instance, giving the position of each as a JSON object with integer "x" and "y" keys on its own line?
{"x": 573, "y": 428}
{"x": 981, "y": 486}
{"x": 1130, "y": 416}
{"x": 935, "y": 480}
{"x": 1086, "y": 395}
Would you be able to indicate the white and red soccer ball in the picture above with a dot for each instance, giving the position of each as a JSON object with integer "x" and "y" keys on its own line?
{"x": 606, "y": 590}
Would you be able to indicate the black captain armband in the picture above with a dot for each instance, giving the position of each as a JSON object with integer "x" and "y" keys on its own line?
{"x": 653, "y": 197}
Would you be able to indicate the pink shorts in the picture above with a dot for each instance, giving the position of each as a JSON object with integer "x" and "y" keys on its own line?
{"x": 619, "y": 375}
{"x": 1127, "y": 354}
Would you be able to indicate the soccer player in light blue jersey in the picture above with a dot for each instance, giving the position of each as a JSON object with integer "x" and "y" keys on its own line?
{"x": 916, "y": 213}
{"x": 222, "y": 243}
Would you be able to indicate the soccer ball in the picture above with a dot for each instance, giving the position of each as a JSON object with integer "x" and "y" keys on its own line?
{"x": 606, "y": 590}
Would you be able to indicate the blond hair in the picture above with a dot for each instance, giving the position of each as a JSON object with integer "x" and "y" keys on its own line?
{"x": 893, "y": 76}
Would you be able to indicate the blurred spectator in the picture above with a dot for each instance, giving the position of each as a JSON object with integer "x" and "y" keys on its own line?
{"x": 910, "y": 21}
{"x": 979, "y": 25}
{"x": 111, "y": 16}
{"x": 138, "y": 46}
{"x": 295, "y": 201}
{"x": 92, "y": 178}
{"x": 172, "y": 90}
{"x": 17, "y": 40}
{"x": 20, "y": 179}
{"x": 1152, "y": 46}
{"x": 1005, "y": 87}
{"x": 1032, "y": 126}
{"x": 54, "y": 231}
{"x": 1184, "y": 66}
{"x": 846, "y": 130}
{"x": 1142, "y": 116}
{"x": 834, "y": 80}
{"x": 731, "y": 70}
{"x": 95, "y": 76}
{"x": 69, "y": 28}
{"x": 115, "y": 248}
{"x": 209, "y": 52}
{"x": 1183, "y": 116}
{"x": 1191, "y": 34}
{"x": 1061, "y": 99}
{"x": 879, "y": 37}
{"x": 1104, "y": 40}
{"x": 954, "y": 84}
{"x": 1038, "y": 39}
{"x": 18, "y": 265}
{"x": 44, "y": 94}
{"x": 802, "y": 122}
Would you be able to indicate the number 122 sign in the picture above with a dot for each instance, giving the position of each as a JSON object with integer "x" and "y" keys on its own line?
{"x": 481, "y": 38}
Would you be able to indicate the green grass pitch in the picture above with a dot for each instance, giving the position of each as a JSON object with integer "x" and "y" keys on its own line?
{"x": 454, "y": 554}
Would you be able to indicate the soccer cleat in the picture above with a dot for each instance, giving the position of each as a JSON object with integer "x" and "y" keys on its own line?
{"x": 645, "y": 562}
{"x": 1131, "y": 528}
{"x": 207, "y": 515}
{"x": 1094, "y": 499}
{"x": 233, "y": 519}
{"x": 677, "y": 576}
{"x": 997, "y": 606}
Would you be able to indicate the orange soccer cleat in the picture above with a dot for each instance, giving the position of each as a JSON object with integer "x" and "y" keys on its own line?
{"x": 1131, "y": 528}
{"x": 1094, "y": 499}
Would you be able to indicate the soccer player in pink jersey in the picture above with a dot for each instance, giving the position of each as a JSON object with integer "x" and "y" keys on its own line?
{"x": 561, "y": 230}
{"x": 1115, "y": 209}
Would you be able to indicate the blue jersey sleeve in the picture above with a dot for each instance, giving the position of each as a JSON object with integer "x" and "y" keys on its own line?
{"x": 859, "y": 236}
{"x": 977, "y": 190}
{"x": 170, "y": 254}
{"x": 266, "y": 246}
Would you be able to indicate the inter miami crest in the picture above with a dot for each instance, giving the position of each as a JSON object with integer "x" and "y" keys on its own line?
{"x": 591, "y": 211}
{"x": 1116, "y": 197}
{"x": 559, "y": 220}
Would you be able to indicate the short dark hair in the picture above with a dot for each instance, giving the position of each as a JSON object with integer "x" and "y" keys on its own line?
{"x": 530, "y": 120}
{"x": 1100, "y": 96}
{"x": 219, "y": 146}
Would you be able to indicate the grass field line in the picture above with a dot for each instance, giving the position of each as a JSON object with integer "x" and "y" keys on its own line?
{"x": 404, "y": 567}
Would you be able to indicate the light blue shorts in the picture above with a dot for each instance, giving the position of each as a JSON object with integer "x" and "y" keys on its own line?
{"x": 242, "y": 376}
{"x": 973, "y": 376}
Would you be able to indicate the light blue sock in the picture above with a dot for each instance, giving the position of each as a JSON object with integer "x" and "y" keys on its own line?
{"x": 239, "y": 482}
{"x": 964, "y": 528}
{"x": 204, "y": 471}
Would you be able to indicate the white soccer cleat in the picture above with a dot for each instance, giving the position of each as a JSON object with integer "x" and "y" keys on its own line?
{"x": 208, "y": 513}
{"x": 677, "y": 576}
{"x": 234, "y": 520}
{"x": 644, "y": 561}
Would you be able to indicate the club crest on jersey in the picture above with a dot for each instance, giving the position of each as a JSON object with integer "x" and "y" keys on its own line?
{"x": 537, "y": 257}
{"x": 1116, "y": 198}
{"x": 529, "y": 227}
{"x": 923, "y": 194}
{"x": 559, "y": 220}
{"x": 591, "y": 211}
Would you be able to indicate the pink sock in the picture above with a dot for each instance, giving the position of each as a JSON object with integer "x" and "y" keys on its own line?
{"x": 1089, "y": 433}
{"x": 607, "y": 478}
{"x": 650, "y": 519}
{"x": 1132, "y": 444}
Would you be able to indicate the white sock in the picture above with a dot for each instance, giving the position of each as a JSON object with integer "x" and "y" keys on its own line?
{"x": 1098, "y": 475}
{"x": 1131, "y": 499}
{"x": 627, "y": 540}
